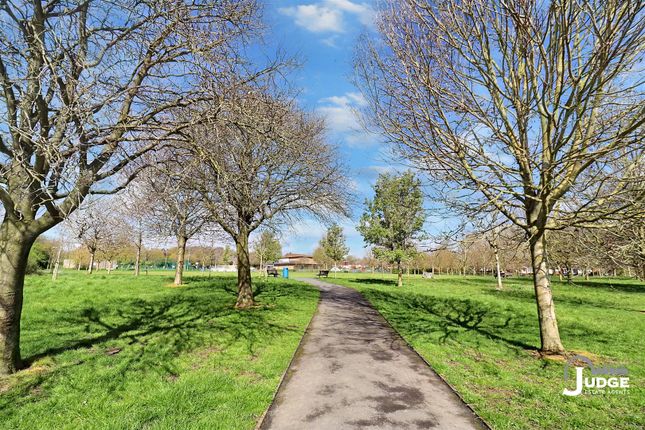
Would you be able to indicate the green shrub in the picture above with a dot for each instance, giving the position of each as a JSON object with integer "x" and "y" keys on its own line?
{"x": 38, "y": 258}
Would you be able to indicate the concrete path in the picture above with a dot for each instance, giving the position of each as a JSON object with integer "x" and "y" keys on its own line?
{"x": 353, "y": 371}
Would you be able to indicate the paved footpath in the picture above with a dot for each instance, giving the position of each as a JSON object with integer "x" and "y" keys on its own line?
{"x": 352, "y": 371}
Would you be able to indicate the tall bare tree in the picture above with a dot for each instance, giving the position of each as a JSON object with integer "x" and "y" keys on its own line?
{"x": 624, "y": 246}
{"x": 84, "y": 92}
{"x": 263, "y": 159}
{"x": 520, "y": 106}
{"x": 93, "y": 226}
{"x": 134, "y": 205}
{"x": 174, "y": 208}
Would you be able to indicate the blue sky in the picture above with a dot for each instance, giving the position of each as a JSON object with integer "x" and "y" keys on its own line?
{"x": 323, "y": 34}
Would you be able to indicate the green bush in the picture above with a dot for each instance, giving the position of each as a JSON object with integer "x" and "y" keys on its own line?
{"x": 38, "y": 258}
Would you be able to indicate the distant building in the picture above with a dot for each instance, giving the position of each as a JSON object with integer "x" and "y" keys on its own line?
{"x": 68, "y": 263}
{"x": 223, "y": 268}
{"x": 297, "y": 262}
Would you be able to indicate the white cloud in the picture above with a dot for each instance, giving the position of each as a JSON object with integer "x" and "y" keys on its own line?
{"x": 363, "y": 11}
{"x": 340, "y": 119}
{"x": 347, "y": 99}
{"x": 340, "y": 112}
{"x": 316, "y": 18}
{"x": 328, "y": 16}
{"x": 330, "y": 41}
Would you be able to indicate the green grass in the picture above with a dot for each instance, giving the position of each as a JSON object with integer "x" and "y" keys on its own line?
{"x": 118, "y": 352}
{"x": 483, "y": 342}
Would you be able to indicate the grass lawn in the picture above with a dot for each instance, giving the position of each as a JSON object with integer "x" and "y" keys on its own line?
{"x": 120, "y": 352}
{"x": 483, "y": 342}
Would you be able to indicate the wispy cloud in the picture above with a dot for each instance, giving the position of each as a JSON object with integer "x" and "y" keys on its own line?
{"x": 340, "y": 112}
{"x": 330, "y": 41}
{"x": 328, "y": 16}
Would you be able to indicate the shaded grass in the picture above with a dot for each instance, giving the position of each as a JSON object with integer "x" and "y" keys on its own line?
{"x": 121, "y": 352}
{"x": 484, "y": 342}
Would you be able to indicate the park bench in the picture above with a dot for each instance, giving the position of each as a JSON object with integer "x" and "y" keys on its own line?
{"x": 324, "y": 273}
{"x": 272, "y": 272}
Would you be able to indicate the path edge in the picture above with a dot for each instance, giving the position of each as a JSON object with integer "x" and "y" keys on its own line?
{"x": 283, "y": 378}
{"x": 486, "y": 426}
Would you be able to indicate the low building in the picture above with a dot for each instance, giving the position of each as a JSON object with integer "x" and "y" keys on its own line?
{"x": 223, "y": 268}
{"x": 297, "y": 262}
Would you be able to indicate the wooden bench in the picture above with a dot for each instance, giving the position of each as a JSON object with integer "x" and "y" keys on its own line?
{"x": 324, "y": 273}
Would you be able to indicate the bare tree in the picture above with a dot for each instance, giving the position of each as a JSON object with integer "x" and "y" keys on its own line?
{"x": 624, "y": 245}
{"x": 92, "y": 225}
{"x": 134, "y": 205}
{"x": 174, "y": 208}
{"x": 85, "y": 87}
{"x": 264, "y": 159}
{"x": 492, "y": 229}
{"x": 607, "y": 246}
{"x": 518, "y": 106}
{"x": 59, "y": 252}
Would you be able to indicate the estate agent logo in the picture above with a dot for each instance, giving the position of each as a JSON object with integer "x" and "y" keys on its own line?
{"x": 613, "y": 381}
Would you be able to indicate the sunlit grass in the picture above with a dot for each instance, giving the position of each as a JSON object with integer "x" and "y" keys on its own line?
{"x": 118, "y": 352}
{"x": 484, "y": 342}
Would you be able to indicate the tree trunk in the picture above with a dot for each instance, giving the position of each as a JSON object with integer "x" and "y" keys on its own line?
{"x": 90, "y": 267}
{"x": 137, "y": 262}
{"x": 15, "y": 245}
{"x": 181, "y": 251}
{"x": 244, "y": 288}
{"x": 569, "y": 273}
{"x": 400, "y": 276}
{"x": 500, "y": 286}
{"x": 549, "y": 333}
{"x": 57, "y": 263}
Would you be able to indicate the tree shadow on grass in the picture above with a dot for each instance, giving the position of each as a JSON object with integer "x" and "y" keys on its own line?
{"x": 420, "y": 315}
{"x": 612, "y": 285}
{"x": 528, "y": 296}
{"x": 374, "y": 281}
{"x": 150, "y": 332}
